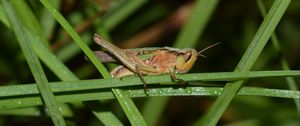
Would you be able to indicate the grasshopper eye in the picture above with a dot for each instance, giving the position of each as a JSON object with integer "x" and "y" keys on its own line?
{"x": 187, "y": 56}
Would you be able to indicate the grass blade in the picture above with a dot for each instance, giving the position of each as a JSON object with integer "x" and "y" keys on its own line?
{"x": 102, "y": 113}
{"x": 34, "y": 64}
{"x": 3, "y": 17}
{"x": 64, "y": 23}
{"x": 291, "y": 83}
{"x": 79, "y": 96}
{"x": 257, "y": 44}
{"x": 275, "y": 43}
{"x": 29, "y": 19}
{"x": 153, "y": 108}
{"x": 78, "y": 40}
{"x": 40, "y": 48}
{"x": 196, "y": 23}
{"x": 134, "y": 116}
{"x": 68, "y": 86}
{"x": 116, "y": 16}
{"x": 47, "y": 21}
{"x": 66, "y": 75}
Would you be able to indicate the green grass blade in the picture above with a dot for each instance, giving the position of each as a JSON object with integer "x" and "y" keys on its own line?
{"x": 32, "y": 111}
{"x": 40, "y": 48}
{"x": 47, "y": 21}
{"x": 29, "y": 19}
{"x": 34, "y": 64}
{"x": 275, "y": 43}
{"x": 196, "y": 23}
{"x": 78, "y": 96}
{"x": 134, "y": 116}
{"x": 64, "y": 23}
{"x": 53, "y": 62}
{"x": 3, "y": 17}
{"x": 95, "y": 85}
{"x": 257, "y": 44}
{"x": 60, "y": 87}
{"x": 153, "y": 108}
{"x": 77, "y": 39}
{"x": 80, "y": 43}
{"x": 117, "y": 15}
{"x": 262, "y": 35}
{"x": 101, "y": 112}
{"x": 291, "y": 83}
{"x": 131, "y": 111}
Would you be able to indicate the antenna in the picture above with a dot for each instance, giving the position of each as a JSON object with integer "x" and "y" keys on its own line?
{"x": 201, "y": 51}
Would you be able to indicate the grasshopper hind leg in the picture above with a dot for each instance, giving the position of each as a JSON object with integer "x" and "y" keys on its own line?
{"x": 141, "y": 77}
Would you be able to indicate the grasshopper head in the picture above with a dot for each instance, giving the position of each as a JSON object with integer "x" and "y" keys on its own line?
{"x": 186, "y": 60}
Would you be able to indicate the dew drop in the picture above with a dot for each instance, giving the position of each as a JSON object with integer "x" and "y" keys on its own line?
{"x": 160, "y": 92}
{"x": 189, "y": 91}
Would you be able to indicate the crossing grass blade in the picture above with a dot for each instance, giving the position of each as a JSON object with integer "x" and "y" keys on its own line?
{"x": 276, "y": 45}
{"x": 3, "y": 17}
{"x": 132, "y": 113}
{"x": 64, "y": 23}
{"x": 105, "y": 94}
{"x": 256, "y": 46}
{"x": 118, "y": 14}
{"x": 91, "y": 56}
{"x": 24, "y": 39}
{"x": 193, "y": 28}
{"x": 51, "y": 60}
{"x": 65, "y": 86}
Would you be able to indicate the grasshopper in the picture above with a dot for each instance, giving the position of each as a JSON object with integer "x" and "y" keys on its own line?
{"x": 161, "y": 60}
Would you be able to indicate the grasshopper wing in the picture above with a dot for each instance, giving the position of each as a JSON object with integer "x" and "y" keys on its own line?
{"x": 104, "y": 57}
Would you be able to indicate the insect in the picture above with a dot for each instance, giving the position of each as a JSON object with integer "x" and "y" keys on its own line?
{"x": 151, "y": 61}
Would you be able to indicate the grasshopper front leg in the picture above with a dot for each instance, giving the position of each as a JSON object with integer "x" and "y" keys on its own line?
{"x": 174, "y": 78}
